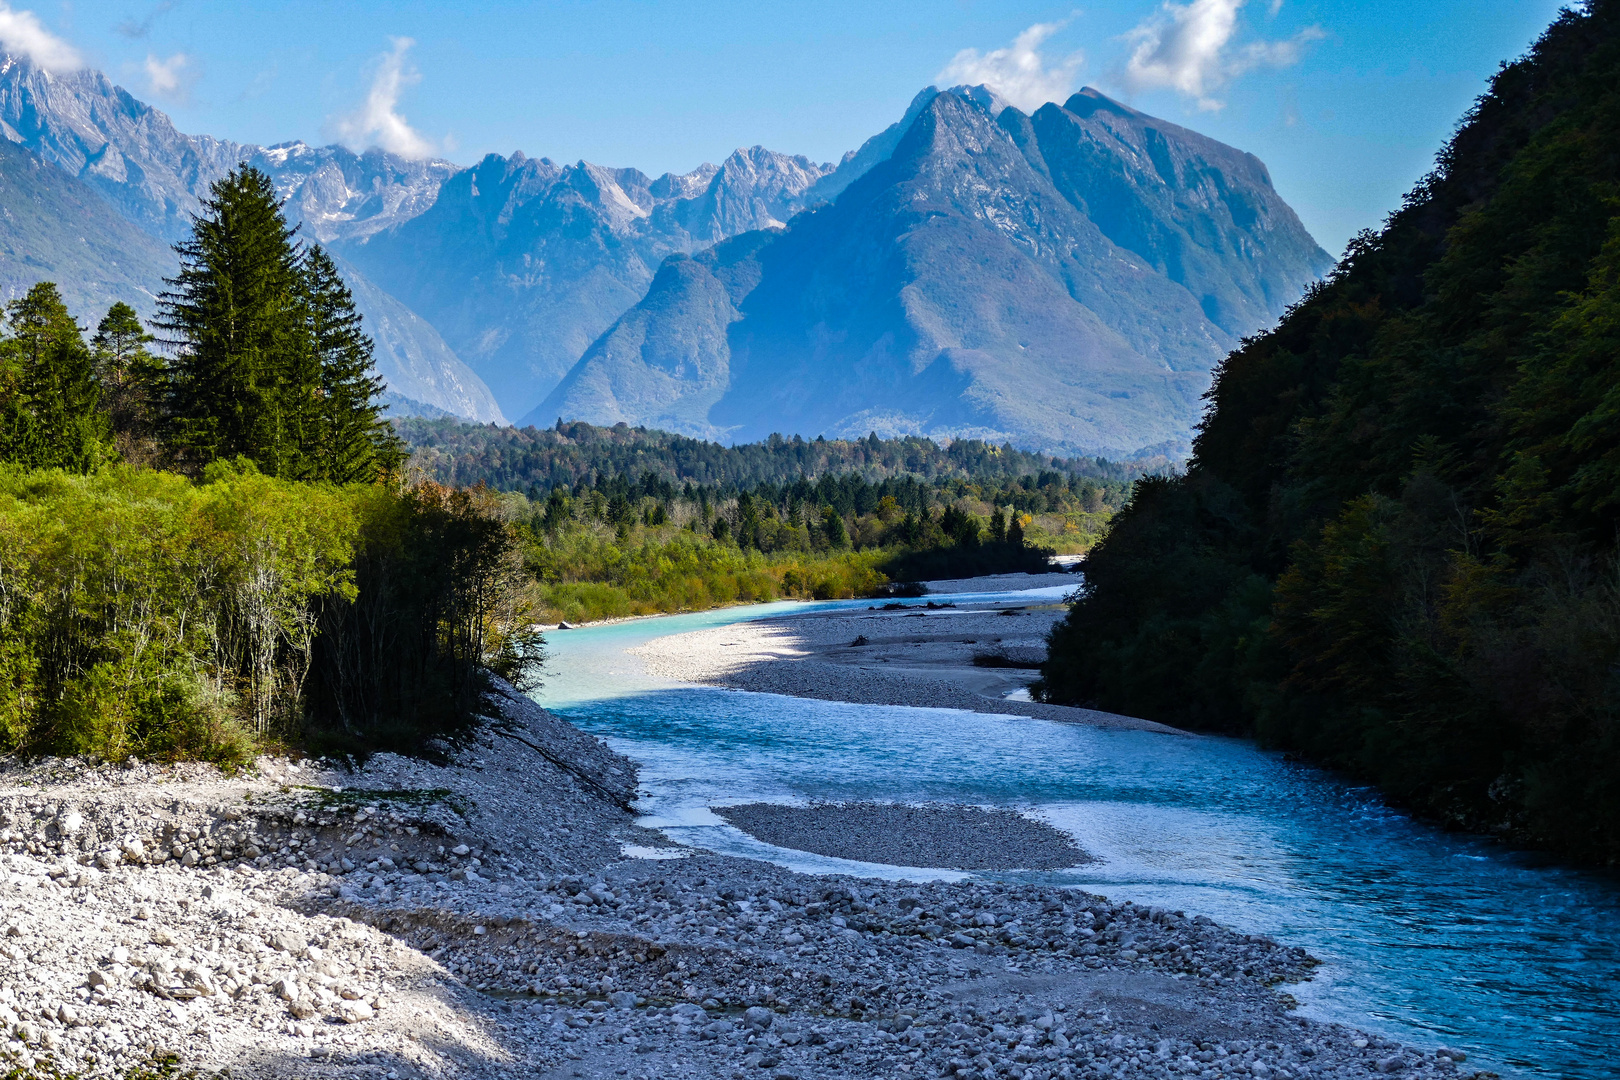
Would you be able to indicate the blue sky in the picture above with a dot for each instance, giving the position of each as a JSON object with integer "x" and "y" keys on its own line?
{"x": 1345, "y": 101}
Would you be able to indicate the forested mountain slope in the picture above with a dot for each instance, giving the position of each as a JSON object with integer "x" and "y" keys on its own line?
{"x": 1395, "y": 546}
{"x": 1064, "y": 281}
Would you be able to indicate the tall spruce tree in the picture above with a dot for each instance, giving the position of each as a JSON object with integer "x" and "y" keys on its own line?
{"x": 240, "y": 382}
{"x": 50, "y": 414}
{"x": 271, "y": 360}
{"x": 352, "y": 440}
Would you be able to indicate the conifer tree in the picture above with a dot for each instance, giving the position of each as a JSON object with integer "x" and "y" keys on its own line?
{"x": 272, "y": 362}
{"x": 50, "y": 415}
{"x": 240, "y": 382}
{"x": 353, "y": 441}
{"x": 132, "y": 380}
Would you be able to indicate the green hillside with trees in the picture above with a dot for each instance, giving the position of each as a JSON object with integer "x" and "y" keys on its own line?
{"x": 632, "y": 521}
{"x": 624, "y": 546}
{"x": 1395, "y": 548}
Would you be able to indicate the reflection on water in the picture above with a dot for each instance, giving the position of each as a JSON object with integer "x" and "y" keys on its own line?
{"x": 1430, "y": 938}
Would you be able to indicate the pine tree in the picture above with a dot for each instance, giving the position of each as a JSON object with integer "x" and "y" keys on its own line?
{"x": 51, "y": 416}
{"x": 353, "y": 442}
{"x": 132, "y": 380}
{"x": 272, "y": 362}
{"x": 241, "y": 381}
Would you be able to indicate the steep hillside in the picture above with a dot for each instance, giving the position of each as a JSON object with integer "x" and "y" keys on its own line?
{"x": 57, "y": 228}
{"x": 964, "y": 286}
{"x": 521, "y": 263}
{"x": 124, "y": 148}
{"x": 1395, "y": 547}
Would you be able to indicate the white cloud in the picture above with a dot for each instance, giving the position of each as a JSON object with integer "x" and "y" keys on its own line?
{"x": 376, "y": 122}
{"x": 163, "y": 77}
{"x": 22, "y": 35}
{"x": 1188, "y": 48}
{"x": 1019, "y": 73}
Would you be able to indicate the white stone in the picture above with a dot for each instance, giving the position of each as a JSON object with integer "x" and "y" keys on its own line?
{"x": 354, "y": 1012}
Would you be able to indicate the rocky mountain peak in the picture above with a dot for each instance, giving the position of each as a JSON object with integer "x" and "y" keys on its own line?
{"x": 127, "y": 150}
{"x": 976, "y": 276}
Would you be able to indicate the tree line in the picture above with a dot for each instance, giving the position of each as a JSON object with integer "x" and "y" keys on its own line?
{"x": 205, "y": 541}
{"x": 536, "y": 460}
{"x": 1395, "y": 547}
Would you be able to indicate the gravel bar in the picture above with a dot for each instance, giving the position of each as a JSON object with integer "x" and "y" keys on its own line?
{"x": 938, "y": 835}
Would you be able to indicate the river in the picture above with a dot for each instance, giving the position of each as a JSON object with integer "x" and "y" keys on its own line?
{"x": 1427, "y": 937}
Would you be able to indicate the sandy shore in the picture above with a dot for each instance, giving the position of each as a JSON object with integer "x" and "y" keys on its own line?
{"x": 912, "y": 652}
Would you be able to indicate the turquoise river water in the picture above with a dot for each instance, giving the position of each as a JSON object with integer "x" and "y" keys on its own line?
{"x": 1428, "y": 937}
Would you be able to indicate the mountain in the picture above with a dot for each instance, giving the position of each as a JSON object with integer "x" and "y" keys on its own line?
{"x": 122, "y": 147}
{"x": 110, "y": 144}
{"x": 57, "y": 228}
{"x": 1065, "y": 281}
{"x": 521, "y": 263}
{"x": 341, "y": 195}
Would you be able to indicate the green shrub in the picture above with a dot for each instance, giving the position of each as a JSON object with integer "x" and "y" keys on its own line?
{"x": 145, "y": 614}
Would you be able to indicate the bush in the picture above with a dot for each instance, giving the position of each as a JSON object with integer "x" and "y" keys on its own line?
{"x": 145, "y": 614}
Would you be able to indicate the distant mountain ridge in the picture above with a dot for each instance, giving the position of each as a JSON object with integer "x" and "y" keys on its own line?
{"x": 1065, "y": 281}
{"x": 521, "y": 263}
{"x": 503, "y": 289}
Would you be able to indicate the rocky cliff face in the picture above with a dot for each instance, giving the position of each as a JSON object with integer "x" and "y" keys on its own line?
{"x": 1064, "y": 281}
{"x": 1198, "y": 211}
{"x": 124, "y": 148}
{"x": 521, "y": 263}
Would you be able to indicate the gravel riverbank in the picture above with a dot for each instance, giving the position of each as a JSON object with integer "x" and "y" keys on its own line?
{"x": 936, "y": 835}
{"x": 936, "y": 653}
{"x": 480, "y": 919}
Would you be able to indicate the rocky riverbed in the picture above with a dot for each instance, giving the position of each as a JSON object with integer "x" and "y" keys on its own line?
{"x": 942, "y": 652}
{"x": 501, "y": 914}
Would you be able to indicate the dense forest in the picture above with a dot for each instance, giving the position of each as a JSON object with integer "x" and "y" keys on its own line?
{"x": 625, "y": 546}
{"x": 627, "y": 521}
{"x": 535, "y": 460}
{"x": 1395, "y": 547}
{"x": 208, "y": 551}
